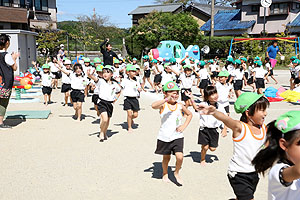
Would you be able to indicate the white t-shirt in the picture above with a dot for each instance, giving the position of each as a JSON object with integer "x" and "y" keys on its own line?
{"x": 160, "y": 69}
{"x": 107, "y": 91}
{"x": 259, "y": 72}
{"x": 170, "y": 120}
{"x": 209, "y": 121}
{"x": 78, "y": 82}
{"x": 146, "y": 66}
{"x": 213, "y": 67}
{"x": 230, "y": 68}
{"x": 238, "y": 74}
{"x": 276, "y": 190}
{"x": 53, "y": 67}
{"x": 297, "y": 69}
{"x": 66, "y": 78}
{"x": 166, "y": 77}
{"x": 176, "y": 68}
{"x": 186, "y": 82}
{"x": 130, "y": 87}
{"x": 46, "y": 79}
{"x": 8, "y": 58}
{"x": 204, "y": 74}
{"x": 223, "y": 92}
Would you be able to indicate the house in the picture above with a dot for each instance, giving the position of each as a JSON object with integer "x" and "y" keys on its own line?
{"x": 28, "y": 14}
{"x": 249, "y": 18}
{"x": 200, "y": 12}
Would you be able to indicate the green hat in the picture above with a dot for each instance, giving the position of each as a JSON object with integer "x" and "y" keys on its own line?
{"x": 183, "y": 62}
{"x": 97, "y": 60}
{"x": 109, "y": 67}
{"x": 223, "y": 73}
{"x": 230, "y": 59}
{"x": 87, "y": 60}
{"x": 211, "y": 61}
{"x": 146, "y": 57}
{"x": 116, "y": 61}
{"x": 65, "y": 58}
{"x": 201, "y": 63}
{"x": 154, "y": 61}
{"x": 99, "y": 68}
{"x": 170, "y": 86}
{"x": 166, "y": 65}
{"x": 187, "y": 67}
{"x": 289, "y": 121}
{"x": 192, "y": 59}
{"x": 296, "y": 61}
{"x": 46, "y": 66}
{"x": 244, "y": 59}
{"x": 259, "y": 63}
{"x": 257, "y": 58}
{"x": 134, "y": 59}
{"x": 245, "y": 100}
{"x": 293, "y": 58}
{"x": 172, "y": 60}
{"x": 130, "y": 67}
{"x": 238, "y": 61}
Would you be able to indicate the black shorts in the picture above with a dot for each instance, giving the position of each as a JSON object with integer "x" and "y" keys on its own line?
{"x": 246, "y": 75}
{"x": 271, "y": 72}
{"x": 293, "y": 76}
{"x": 183, "y": 96}
{"x": 208, "y": 136}
{"x": 260, "y": 83}
{"x": 131, "y": 103}
{"x": 147, "y": 73}
{"x": 105, "y": 106}
{"x": 168, "y": 148}
{"x": 214, "y": 74}
{"x": 95, "y": 98}
{"x": 226, "y": 108}
{"x": 65, "y": 88}
{"x": 244, "y": 185}
{"x": 77, "y": 96}
{"x": 46, "y": 90}
{"x": 56, "y": 75}
{"x": 228, "y": 79}
{"x": 157, "y": 78}
{"x": 237, "y": 85}
{"x": 203, "y": 83}
{"x": 250, "y": 80}
{"x": 297, "y": 81}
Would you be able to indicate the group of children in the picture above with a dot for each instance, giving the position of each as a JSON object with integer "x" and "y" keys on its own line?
{"x": 277, "y": 140}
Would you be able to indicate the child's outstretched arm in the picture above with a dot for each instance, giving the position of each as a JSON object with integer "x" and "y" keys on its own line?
{"x": 292, "y": 173}
{"x": 159, "y": 104}
{"x": 60, "y": 67}
{"x": 35, "y": 67}
{"x": 90, "y": 75}
{"x": 188, "y": 119}
{"x": 234, "y": 125}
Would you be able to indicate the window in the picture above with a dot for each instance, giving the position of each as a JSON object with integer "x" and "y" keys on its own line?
{"x": 41, "y": 5}
{"x": 20, "y": 3}
{"x": 5, "y": 2}
{"x": 168, "y": 45}
{"x": 279, "y": 9}
{"x": 255, "y": 8}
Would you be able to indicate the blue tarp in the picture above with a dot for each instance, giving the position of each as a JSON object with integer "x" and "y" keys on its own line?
{"x": 271, "y": 92}
{"x": 228, "y": 20}
{"x": 295, "y": 22}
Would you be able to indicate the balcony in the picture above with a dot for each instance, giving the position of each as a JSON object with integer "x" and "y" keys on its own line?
{"x": 13, "y": 15}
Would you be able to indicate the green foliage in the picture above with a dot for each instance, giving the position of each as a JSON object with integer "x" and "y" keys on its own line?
{"x": 219, "y": 46}
{"x": 158, "y": 26}
{"x": 48, "y": 42}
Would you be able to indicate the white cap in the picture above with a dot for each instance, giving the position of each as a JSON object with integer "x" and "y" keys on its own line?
{"x": 62, "y": 45}
{"x": 68, "y": 62}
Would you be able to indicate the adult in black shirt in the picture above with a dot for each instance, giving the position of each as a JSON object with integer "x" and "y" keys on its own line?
{"x": 108, "y": 54}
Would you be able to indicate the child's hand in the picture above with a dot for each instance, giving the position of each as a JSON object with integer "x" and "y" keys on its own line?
{"x": 180, "y": 128}
{"x": 206, "y": 110}
{"x": 15, "y": 55}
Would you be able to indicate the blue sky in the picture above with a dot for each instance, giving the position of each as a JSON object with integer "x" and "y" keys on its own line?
{"x": 116, "y": 10}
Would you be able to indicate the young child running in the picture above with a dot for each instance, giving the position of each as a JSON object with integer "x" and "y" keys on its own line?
{"x": 109, "y": 92}
{"x": 282, "y": 147}
{"x": 78, "y": 85}
{"x": 292, "y": 71}
{"x": 66, "y": 82}
{"x": 204, "y": 77}
{"x": 147, "y": 73}
{"x": 46, "y": 77}
{"x": 259, "y": 76}
{"x": 95, "y": 96}
{"x": 131, "y": 91}
{"x": 270, "y": 70}
{"x": 208, "y": 136}
{"x": 248, "y": 138}
{"x": 157, "y": 69}
{"x": 297, "y": 72}
{"x": 238, "y": 76}
{"x": 170, "y": 136}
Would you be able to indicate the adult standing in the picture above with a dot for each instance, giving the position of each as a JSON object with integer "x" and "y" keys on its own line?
{"x": 61, "y": 53}
{"x": 272, "y": 53}
{"x": 7, "y": 67}
{"x": 108, "y": 54}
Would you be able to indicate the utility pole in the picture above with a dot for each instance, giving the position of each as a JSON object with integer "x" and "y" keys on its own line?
{"x": 212, "y": 24}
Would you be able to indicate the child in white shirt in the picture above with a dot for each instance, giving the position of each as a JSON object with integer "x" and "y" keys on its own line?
{"x": 270, "y": 70}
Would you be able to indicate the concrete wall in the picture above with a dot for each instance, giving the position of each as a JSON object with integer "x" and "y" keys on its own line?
{"x": 274, "y": 23}
{"x": 44, "y": 20}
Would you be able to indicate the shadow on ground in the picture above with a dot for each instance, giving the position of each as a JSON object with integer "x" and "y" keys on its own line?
{"x": 196, "y": 156}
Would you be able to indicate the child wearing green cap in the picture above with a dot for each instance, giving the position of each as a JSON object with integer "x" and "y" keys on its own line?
{"x": 297, "y": 73}
{"x": 95, "y": 87}
{"x": 282, "y": 147}
{"x": 259, "y": 76}
{"x": 214, "y": 70}
{"x": 157, "y": 70}
{"x": 66, "y": 81}
{"x": 270, "y": 70}
{"x": 237, "y": 77}
{"x": 203, "y": 76}
{"x": 170, "y": 137}
{"x": 147, "y": 73}
{"x": 167, "y": 75}
{"x": 250, "y": 81}
{"x": 292, "y": 71}
{"x": 248, "y": 138}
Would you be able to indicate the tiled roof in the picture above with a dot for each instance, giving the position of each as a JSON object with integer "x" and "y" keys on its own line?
{"x": 228, "y": 20}
{"x": 295, "y": 22}
{"x": 160, "y": 8}
{"x": 206, "y": 8}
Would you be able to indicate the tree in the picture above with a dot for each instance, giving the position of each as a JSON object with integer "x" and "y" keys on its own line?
{"x": 48, "y": 42}
{"x": 158, "y": 26}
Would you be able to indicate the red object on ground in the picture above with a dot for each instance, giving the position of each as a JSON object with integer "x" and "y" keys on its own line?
{"x": 19, "y": 87}
{"x": 275, "y": 99}
{"x": 278, "y": 38}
